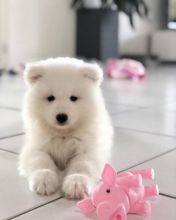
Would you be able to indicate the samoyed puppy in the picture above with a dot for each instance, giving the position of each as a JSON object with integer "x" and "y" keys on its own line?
{"x": 68, "y": 130}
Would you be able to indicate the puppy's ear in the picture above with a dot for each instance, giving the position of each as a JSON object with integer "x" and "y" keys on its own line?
{"x": 32, "y": 73}
{"x": 92, "y": 72}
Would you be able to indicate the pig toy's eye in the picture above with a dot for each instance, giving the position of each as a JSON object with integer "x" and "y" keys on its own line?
{"x": 108, "y": 190}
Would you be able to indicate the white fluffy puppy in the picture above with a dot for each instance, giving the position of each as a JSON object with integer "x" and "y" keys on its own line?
{"x": 69, "y": 133}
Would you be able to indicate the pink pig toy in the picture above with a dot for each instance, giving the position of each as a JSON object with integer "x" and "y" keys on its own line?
{"x": 120, "y": 194}
{"x": 125, "y": 69}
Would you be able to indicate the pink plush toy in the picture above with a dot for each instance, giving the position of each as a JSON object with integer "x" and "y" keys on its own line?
{"x": 125, "y": 69}
{"x": 120, "y": 194}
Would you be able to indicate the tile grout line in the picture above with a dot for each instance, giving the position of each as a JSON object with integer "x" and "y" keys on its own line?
{"x": 166, "y": 195}
{"x": 140, "y": 106}
{"x": 9, "y": 151}
{"x": 135, "y": 108}
{"x": 10, "y": 108}
{"x": 37, "y": 207}
{"x": 146, "y": 132}
{"x": 32, "y": 209}
{"x": 126, "y": 105}
{"x": 147, "y": 160}
{"x": 11, "y": 136}
{"x": 114, "y": 113}
{"x": 129, "y": 110}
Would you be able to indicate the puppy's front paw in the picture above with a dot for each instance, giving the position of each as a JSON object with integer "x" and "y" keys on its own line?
{"x": 75, "y": 186}
{"x": 44, "y": 182}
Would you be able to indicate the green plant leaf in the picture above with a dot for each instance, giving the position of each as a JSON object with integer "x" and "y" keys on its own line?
{"x": 129, "y": 7}
{"x": 77, "y": 3}
{"x": 73, "y": 3}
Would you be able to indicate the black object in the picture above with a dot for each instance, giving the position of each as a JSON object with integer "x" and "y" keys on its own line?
{"x": 163, "y": 14}
{"x": 1, "y": 71}
{"x": 97, "y": 33}
{"x": 12, "y": 72}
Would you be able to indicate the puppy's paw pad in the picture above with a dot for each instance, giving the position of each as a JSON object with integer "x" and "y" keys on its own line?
{"x": 75, "y": 186}
{"x": 44, "y": 182}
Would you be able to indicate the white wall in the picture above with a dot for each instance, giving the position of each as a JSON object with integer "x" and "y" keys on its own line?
{"x": 4, "y": 14}
{"x": 36, "y": 29}
{"x": 163, "y": 45}
{"x": 39, "y": 29}
{"x": 135, "y": 41}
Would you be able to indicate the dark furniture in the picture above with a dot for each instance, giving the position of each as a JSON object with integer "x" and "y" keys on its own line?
{"x": 96, "y": 35}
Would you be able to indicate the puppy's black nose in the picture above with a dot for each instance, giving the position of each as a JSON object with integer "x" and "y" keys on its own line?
{"x": 61, "y": 118}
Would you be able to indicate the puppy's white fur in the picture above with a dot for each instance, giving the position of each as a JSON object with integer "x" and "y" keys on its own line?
{"x": 70, "y": 156}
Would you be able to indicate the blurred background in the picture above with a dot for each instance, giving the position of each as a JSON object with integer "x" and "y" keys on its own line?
{"x": 94, "y": 29}
{"x": 139, "y": 91}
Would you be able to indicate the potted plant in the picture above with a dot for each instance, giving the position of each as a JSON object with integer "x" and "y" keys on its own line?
{"x": 97, "y": 25}
{"x": 90, "y": 3}
{"x": 129, "y": 7}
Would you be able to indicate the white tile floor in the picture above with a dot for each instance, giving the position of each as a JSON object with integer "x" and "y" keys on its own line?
{"x": 144, "y": 117}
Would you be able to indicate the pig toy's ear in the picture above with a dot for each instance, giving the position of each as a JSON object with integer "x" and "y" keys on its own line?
{"x": 86, "y": 205}
{"x": 109, "y": 175}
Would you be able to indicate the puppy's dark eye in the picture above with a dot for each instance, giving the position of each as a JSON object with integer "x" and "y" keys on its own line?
{"x": 73, "y": 98}
{"x": 108, "y": 190}
{"x": 50, "y": 98}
